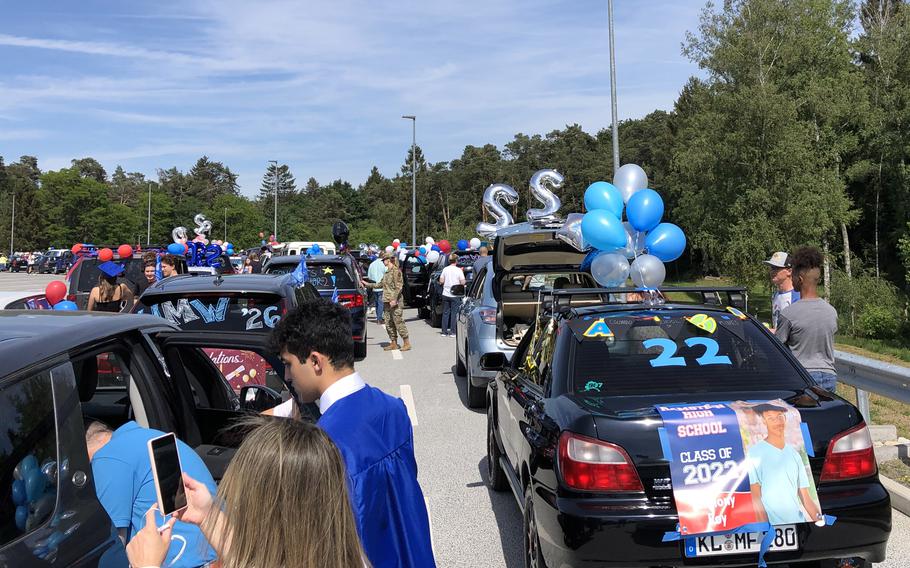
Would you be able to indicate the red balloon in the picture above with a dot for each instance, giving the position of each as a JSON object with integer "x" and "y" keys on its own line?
{"x": 77, "y": 248}
{"x": 445, "y": 246}
{"x": 186, "y": 248}
{"x": 55, "y": 292}
{"x": 105, "y": 255}
{"x": 125, "y": 251}
{"x": 395, "y": 246}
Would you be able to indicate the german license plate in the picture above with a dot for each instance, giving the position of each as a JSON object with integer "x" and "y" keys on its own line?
{"x": 740, "y": 543}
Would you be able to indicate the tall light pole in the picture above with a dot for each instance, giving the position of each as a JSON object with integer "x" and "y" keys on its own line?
{"x": 148, "y": 229}
{"x": 615, "y": 128}
{"x": 275, "y": 225}
{"x": 12, "y": 228}
{"x": 413, "y": 120}
{"x": 225, "y": 224}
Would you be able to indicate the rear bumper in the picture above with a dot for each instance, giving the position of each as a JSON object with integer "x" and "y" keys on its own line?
{"x": 575, "y": 532}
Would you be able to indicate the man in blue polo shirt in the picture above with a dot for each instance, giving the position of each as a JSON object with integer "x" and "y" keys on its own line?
{"x": 126, "y": 487}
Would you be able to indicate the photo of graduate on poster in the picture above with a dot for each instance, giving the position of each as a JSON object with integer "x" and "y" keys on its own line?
{"x": 783, "y": 491}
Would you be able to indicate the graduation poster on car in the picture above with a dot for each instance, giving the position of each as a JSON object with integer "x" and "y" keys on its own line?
{"x": 734, "y": 464}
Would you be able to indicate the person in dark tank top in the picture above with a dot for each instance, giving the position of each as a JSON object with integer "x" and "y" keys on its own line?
{"x": 109, "y": 295}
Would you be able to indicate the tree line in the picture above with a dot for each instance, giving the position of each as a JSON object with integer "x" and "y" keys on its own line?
{"x": 798, "y": 132}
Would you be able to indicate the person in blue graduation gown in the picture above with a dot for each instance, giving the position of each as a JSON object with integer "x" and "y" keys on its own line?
{"x": 371, "y": 429}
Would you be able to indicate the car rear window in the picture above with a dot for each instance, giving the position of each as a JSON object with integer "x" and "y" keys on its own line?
{"x": 88, "y": 272}
{"x": 216, "y": 312}
{"x": 322, "y": 275}
{"x": 656, "y": 352}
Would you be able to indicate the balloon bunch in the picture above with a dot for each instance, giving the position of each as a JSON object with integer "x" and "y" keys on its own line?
{"x": 54, "y": 293}
{"x": 34, "y": 492}
{"x": 643, "y": 239}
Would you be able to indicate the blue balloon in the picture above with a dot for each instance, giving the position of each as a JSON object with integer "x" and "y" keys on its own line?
{"x": 603, "y": 230}
{"x": 34, "y": 484}
{"x": 423, "y": 250}
{"x": 666, "y": 241}
{"x": 175, "y": 248}
{"x": 21, "y": 517}
{"x": 436, "y": 248}
{"x": 19, "y": 495}
{"x": 66, "y": 306}
{"x": 27, "y": 464}
{"x": 588, "y": 259}
{"x": 603, "y": 195}
{"x": 645, "y": 209}
{"x": 463, "y": 244}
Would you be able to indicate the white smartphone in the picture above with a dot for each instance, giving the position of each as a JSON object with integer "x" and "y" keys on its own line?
{"x": 167, "y": 473}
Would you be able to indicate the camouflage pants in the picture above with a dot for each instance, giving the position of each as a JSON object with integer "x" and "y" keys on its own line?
{"x": 394, "y": 321}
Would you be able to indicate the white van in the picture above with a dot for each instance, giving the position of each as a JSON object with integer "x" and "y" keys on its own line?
{"x": 300, "y": 247}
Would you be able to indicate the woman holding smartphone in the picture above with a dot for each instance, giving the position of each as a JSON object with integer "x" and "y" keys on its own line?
{"x": 283, "y": 502}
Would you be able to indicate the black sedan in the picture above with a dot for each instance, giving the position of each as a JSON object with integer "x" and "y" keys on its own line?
{"x": 574, "y": 431}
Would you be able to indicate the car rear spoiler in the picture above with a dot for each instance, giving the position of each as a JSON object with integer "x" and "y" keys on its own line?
{"x": 562, "y": 300}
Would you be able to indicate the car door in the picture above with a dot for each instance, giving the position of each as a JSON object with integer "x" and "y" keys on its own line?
{"x": 518, "y": 392}
{"x": 206, "y": 405}
{"x": 465, "y": 320}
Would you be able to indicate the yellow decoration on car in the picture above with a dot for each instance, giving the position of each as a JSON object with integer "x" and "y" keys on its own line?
{"x": 598, "y": 329}
{"x": 703, "y": 322}
{"x": 328, "y": 270}
{"x": 737, "y": 313}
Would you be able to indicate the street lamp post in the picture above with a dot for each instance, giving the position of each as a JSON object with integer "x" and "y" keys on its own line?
{"x": 413, "y": 120}
{"x": 225, "y": 224}
{"x": 148, "y": 228}
{"x": 615, "y": 128}
{"x": 12, "y": 228}
{"x": 275, "y": 221}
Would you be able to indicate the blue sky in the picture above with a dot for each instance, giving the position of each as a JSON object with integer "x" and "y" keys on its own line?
{"x": 320, "y": 85}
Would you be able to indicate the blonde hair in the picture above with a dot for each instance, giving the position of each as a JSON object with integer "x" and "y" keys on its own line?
{"x": 285, "y": 499}
{"x": 107, "y": 285}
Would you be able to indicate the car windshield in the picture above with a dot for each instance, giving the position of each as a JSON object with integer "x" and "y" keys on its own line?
{"x": 683, "y": 351}
{"x": 322, "y": 275}
{"x": 88, "y": 273}
{"x": 216, "y": 312}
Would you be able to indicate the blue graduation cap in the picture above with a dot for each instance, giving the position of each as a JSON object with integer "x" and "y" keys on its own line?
{"x": 111, "y": 268}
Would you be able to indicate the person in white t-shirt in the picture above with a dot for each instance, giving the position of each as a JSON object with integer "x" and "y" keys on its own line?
{"x": 780, "y": 271}
{"x": 452, "y": 275}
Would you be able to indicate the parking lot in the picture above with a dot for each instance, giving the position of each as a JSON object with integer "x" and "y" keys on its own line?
{"x": 472, "y": 526}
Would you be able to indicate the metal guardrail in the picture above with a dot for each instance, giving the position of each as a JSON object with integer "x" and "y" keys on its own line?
{"x": 869, "y": 375}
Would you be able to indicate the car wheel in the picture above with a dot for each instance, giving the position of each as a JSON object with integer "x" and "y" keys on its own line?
{"x": 495, "y": 473}
{"x": 476, "y": 395}
{"x": 533, "y": 556}
{"x": 460, "y": 369}
{"x": 435, "y": 317}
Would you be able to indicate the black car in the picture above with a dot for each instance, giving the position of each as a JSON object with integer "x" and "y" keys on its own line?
{"x": 62, "y": 367}
{"x": 18, "y": 262}
{"x": 415, "y": 272}
{"x": 573, "y": 430}
{"x": 335, "y": 276}
{"x": 432, "y": 307}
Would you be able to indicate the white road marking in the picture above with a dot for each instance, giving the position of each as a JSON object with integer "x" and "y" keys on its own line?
{"x": 408, "y": 397}
{"x": 396, "y": 354}
{"x": 430, "y": 521}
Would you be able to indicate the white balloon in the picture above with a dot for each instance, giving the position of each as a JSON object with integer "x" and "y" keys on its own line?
{"x": 432, "y": 256}
{"x": 430, "y": 241}
{"x": 402, "y": 256}
{"x": 648, "y": 271}
{"x": 630, "y": 178}
{"x": 389, "y": 248}
{"x": 475, "y": 243}
{"x": 610, "y": 269}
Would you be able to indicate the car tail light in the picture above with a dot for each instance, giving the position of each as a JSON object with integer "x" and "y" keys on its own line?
{"x": 850, "y": 455}
{"x": 71, "y": 297}
{"x": 350, "y": 300}
{"x": 593, "y": 465}
{"x": 488, "y": 315}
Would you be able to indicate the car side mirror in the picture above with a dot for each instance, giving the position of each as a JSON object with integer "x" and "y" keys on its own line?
{"x": 493, "y": 362}
{"x": 458, "y": 290}
{"x": 259, "y": 397}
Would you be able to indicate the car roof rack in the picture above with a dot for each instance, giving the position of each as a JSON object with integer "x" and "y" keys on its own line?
{"x": 560, "y": 301}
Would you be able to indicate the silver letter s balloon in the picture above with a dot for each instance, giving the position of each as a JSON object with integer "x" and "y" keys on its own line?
{"x": 492, "y": 198}
{"x": 550, "y": 201}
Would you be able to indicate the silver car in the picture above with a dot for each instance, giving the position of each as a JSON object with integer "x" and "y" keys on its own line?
{"x": 502, "y": 301}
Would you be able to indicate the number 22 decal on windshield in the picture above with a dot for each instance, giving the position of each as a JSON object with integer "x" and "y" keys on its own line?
{"x": 668, "y": 350}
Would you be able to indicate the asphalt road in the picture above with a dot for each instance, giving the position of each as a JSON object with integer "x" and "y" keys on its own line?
{"x": 472, "y": 526}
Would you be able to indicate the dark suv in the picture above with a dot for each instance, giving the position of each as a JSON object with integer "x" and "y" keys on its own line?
{"x": 335, "y": 277}
{"x": 432, "y": 308}
{"x": 415, "y": 272}
{"x": 576, "y": 432}
{"x": 62, "y": 367}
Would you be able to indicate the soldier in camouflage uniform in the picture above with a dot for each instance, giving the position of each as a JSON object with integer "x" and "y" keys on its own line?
{"x": 392, "y": 285}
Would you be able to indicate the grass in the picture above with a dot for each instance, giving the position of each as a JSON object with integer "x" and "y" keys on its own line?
{"x": 875, "y": 348}
{"x": 884, "y": 410}
{"x": 896, "y": 470}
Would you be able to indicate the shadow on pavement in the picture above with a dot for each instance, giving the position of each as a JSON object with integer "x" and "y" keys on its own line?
{"x": 508, "y": 519}
{"x": 462, "y": 383}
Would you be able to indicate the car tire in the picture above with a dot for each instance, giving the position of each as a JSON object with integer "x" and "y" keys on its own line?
{"x": 435, "y": 317}
{"x": 476, "y": 395}
{"x": 460, "y": 369}
{"x": 533, "y": 555}
{"x": 495, "y": 474}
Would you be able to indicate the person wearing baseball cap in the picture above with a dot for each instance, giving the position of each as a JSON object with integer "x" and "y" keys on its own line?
{"x": 780, "y": 273}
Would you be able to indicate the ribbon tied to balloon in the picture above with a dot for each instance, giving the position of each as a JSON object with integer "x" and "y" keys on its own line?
{"x": 642, "y": 239}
